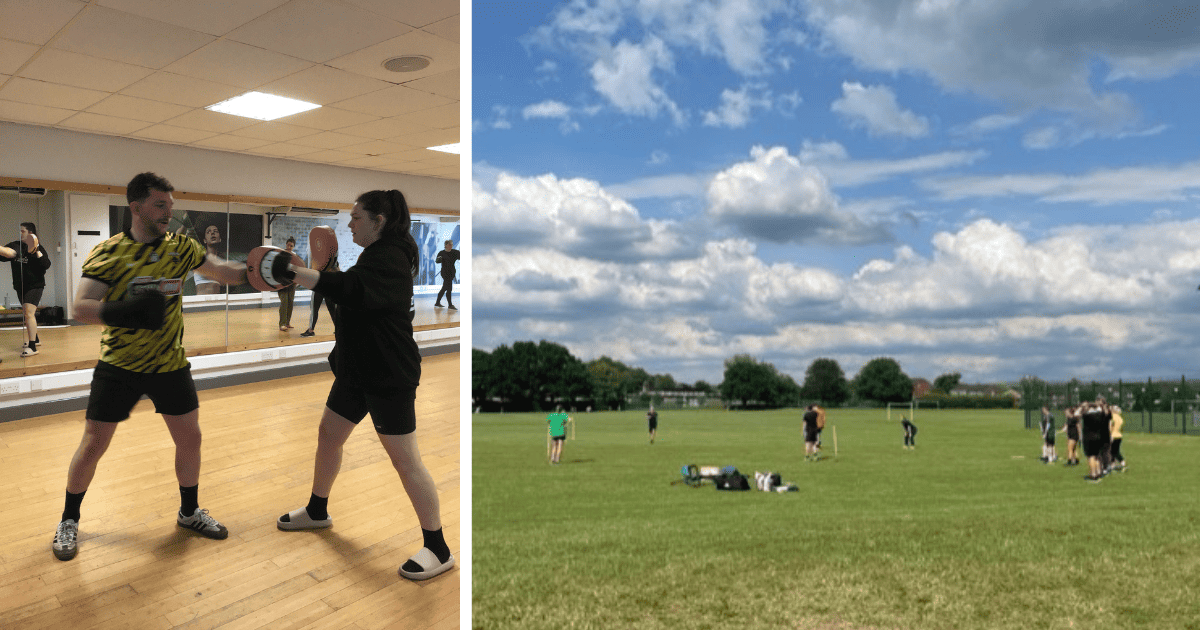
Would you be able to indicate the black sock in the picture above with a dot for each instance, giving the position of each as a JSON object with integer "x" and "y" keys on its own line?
{"x": 71, "y": 509}
{"x": 318, "y": 508}
{"x": 189, "y": 500}
{"x": 436, "y": 543}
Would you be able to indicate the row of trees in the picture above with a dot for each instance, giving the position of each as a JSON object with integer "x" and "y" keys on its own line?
{"x": 542, "y": 375}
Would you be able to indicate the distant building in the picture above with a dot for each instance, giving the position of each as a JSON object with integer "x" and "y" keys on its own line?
{"x": 921, "y": 387}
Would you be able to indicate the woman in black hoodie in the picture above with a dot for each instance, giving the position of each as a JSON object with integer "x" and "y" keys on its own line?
{"x": 377, "y": 367}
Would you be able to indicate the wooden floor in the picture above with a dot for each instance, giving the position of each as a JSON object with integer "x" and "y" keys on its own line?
{"x": 137, "y": 569}
{"x": 78, "y": 347}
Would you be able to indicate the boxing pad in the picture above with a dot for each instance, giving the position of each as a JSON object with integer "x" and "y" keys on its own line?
{"x": 323, "y": 245}
{"x": 259, "y": 268}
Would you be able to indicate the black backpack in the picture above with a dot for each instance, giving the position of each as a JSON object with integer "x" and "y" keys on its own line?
{"x": 731, "y": 480}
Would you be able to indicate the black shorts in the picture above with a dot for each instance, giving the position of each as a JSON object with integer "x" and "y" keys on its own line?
{"x": 811, "y": 434}
{"x": 558, "y": 438}
{"x": 1072, "y": 434}
{"x": 1094, "y": 443}
{"x": 394, "y": 414}
{"x": 1050, "y": 440}
{"x": 32, "y": 296}
{"x": 653, "y": 426}
{"x": 115, "y": 391}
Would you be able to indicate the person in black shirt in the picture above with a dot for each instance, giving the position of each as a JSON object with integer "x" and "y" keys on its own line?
{"x": 1096, "y": 435}
{"x": 910, "y": 433}
{"x": 813, "y": 422}
{"x": 652, "y": 420}
{"x": 446, "y": 258}
{"x": 1071, "y": 428}
{"x": 377, "y": 367}
{"x": 29, "y": 264}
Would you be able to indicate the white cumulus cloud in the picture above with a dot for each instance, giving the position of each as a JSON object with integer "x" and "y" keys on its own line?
{"x": 875, "y": 108}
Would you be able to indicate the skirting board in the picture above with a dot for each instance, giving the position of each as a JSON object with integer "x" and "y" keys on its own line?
{"x": 209, "y": 372}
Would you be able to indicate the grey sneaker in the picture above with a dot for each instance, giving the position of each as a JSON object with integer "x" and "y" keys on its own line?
{"x": 64, "y": 540}
{"x": 204, "y": 524}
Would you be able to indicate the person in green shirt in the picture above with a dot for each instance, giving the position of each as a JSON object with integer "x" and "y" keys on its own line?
{"x": 558, "y": 433}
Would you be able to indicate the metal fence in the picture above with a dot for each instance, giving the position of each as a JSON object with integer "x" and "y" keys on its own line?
{"x": 1181, "y": 421}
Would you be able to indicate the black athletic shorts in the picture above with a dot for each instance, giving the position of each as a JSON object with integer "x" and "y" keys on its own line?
{"x": 811, "y": 434}
{"x": 115, "y": 391}
{"x": 1050, "y": 440}
{"x": 1073, "y": 433}
{"x": 653, "y": 426}
{"x": 1094, "y": 443}
{"x": 558, "y": 438}
{"x": 394, "y": 414}
{"x": 32, "y": 296}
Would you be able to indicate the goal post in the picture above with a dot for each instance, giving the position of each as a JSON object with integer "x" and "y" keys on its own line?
{"x": 911, "y": 406}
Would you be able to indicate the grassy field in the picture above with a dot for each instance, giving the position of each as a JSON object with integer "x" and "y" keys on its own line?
{"x": 968, "y": 531}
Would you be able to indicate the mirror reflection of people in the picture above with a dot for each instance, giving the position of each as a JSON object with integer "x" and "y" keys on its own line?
{"x": 132, "y": 284}
{"x": 29, "y": 264}
{"x": 212, "y": 242}
{"x": 287, "y": 295}
{"x": 446, "y": 258}
{"x": 317, "y": 299}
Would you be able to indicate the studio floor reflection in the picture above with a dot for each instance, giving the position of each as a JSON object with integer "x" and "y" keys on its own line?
{"x": 77, "y": 347}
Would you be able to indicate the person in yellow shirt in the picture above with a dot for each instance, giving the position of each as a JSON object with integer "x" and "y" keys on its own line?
{"x": 1118, "y": 460}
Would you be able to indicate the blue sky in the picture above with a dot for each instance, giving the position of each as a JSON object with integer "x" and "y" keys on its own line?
{"x": 995, "y": 188}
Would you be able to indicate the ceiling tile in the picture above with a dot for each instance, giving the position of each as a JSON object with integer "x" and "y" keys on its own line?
{"x": 372, "y": 160}
{"x": 177, "y": 135}
{"x": 49, "y": 94}
{"x": 444, "y": 84}
{"x": 233, "y": 63}
{"x": 68, "y": 68}
{"x": 323, "y": 85}
{"x": 275, "y": 131}
{"x": 446, "y": 29}
{"x": 393, "y": 102}
{"x": 327, "y": 140}
{"x": 86, "y": 121}
{"x": 13, "y": 55}
{"x": 36, "y": 21}
{"x": 443, "y": 55}
{"x": 328, "y": 118}
{"x": 291, "y": 28}
{"x": 376, "y": 147}
{"x": 230, "y": 143}
{"x": 329, "y": 157}
{"x": 444, "y": 117}
{"x": 123, "y": 106}
{"x": 435, "y": 138}
{"x": 36, "y": 114}
{"x": 416, "y": 13}
{"x": 216, "y": 122}
{"x": 181, "y": 90}
{"x": 282, "y": 149}
{"x": 110, "y": 34}
{"x": 385, "y": 128}
{"x": 215, "y": 17}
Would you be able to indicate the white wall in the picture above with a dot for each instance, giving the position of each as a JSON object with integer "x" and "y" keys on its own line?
{"x": 58, "y": 154}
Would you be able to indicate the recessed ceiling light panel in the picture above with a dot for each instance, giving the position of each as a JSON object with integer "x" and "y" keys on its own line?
{"x": 261, "y": 106}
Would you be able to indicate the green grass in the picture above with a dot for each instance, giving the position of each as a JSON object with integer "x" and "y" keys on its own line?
{"x": 958, "y": 534}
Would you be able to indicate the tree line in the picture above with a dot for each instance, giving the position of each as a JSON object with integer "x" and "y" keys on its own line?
{"x": 544, "y": 375}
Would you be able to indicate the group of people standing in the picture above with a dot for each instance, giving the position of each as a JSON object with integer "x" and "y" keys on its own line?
{"x": 1094, "y": 424}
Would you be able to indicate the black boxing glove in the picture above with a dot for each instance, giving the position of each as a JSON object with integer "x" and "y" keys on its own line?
{"x": 144, "y": 311}
{"x": 279, "y": 268}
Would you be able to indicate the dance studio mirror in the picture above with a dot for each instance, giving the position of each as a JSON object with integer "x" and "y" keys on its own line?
{"x": 217, "y": 319}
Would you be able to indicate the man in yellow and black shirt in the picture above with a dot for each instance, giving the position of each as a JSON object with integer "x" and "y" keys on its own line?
{"x": 132, "y": 284}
